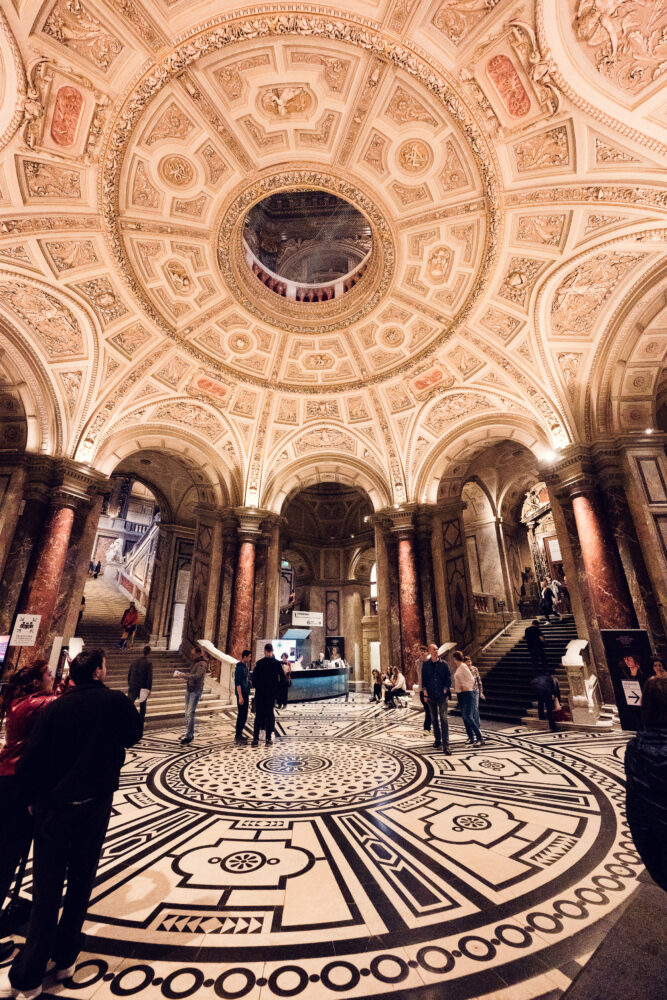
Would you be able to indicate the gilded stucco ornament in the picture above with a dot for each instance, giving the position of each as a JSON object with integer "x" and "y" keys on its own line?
{"x": 225, "y": 31}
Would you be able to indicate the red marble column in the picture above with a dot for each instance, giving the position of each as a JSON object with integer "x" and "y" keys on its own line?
{"x": 41, "y": 592}
{"x": 410, "y": 602}
{"x": 240, "y": 628}
{"x": 26, "y": 535}
{"x": 606, "y": 580}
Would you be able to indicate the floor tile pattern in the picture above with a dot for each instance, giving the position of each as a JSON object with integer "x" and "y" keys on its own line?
{"x": 351, "y": 858}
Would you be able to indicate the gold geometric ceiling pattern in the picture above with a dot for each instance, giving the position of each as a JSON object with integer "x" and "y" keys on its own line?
{"x": 508, "y": 159}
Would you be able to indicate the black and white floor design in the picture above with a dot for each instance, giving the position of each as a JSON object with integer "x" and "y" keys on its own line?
{"x": 352, "y": 859}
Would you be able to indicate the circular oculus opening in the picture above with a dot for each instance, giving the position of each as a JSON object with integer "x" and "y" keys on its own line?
{"x": 307, "y": 245}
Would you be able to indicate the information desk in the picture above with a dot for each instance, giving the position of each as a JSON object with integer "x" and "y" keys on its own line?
{"x": 311, "y": 685}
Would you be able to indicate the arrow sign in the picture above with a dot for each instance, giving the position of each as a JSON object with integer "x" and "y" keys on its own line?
{"x": 632, "y": 692}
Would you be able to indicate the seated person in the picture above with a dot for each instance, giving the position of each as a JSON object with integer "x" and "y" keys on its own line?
{"x": 397, "y": 690}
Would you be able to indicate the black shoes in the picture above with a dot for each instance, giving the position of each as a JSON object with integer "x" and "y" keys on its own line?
{"x": 186, "y": 739}
{"x": 255, "y": 743}
{"x": 447, "y": 751}
{"x": 437, "y": 744}
{"x": 269, "y": 742}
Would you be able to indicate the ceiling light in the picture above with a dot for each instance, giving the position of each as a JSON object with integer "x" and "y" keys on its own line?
{"x": 649, "y": 430}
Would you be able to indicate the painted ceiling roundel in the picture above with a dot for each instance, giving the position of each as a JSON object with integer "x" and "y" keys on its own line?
{"x": 498, "y": 273}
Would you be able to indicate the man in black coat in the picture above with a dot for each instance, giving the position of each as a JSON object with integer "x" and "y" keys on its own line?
{"x": 436, "y": 682}
{"x": 68, "y": 774}
{"x": 537, "y": 647}
{"x": 266, "y": 678}
{"x": 646, "y": 771}
{"x": 140, "y": 678}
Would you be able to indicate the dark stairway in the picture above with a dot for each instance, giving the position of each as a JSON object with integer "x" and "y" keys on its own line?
{"x": 506, "y": 670}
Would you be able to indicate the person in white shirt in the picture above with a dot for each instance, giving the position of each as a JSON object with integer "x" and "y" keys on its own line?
{"x": 464, "y": 685}
{"x": 397, "y": 689}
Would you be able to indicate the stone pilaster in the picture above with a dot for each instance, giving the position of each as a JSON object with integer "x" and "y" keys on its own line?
{"x": 613, "y": 475}
{"x": 450, "y": 551}
{"x": 173, "y": 554}
{"x": 645, "y": 464}
{"x": 14, "y": 473}
{"x": 201, "y": 614}
{"x": 272, "y": 590}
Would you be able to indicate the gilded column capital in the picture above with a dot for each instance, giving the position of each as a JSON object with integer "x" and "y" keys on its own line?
{"x": 572, "y": 473}
{"x": 251, "y": 521}
{"x": 400, "y": 519}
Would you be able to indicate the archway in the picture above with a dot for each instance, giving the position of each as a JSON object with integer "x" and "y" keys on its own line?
{"x": 328, "y": 552}
{"x": 144, "y": 545}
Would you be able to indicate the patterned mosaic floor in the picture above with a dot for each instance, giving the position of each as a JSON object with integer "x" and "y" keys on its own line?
{"x": 351, "y": 859}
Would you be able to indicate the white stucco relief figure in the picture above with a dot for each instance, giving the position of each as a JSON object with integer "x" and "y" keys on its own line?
{"x": 115, "y": 551}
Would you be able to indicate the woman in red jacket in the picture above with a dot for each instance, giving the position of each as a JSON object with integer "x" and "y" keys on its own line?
{"x": 23, "y": 697}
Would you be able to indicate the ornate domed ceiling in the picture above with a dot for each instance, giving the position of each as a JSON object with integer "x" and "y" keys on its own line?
{"x": 165, "y": 177}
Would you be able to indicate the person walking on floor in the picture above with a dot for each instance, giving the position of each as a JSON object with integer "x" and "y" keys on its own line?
{"x": 24, "y": 696}
{"x": 479, "y": 689}
{"x": 97, "y": 570}
{"x": 285, "y": 681}
{"x": 140, "y": 682}
{"x": 464, "y": 685}
{"x": 436, "y": 682}
{"x": 194, "y": 686}
{"x": 423, "y": 655}
{"x": 266, "y": 679}
{"x": 242, "y": 689}
{"x": 68, "y": 774}
{"x": 537, "y": 647}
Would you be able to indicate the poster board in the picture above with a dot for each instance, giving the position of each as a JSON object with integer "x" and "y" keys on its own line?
{"x": 628, "y": 654}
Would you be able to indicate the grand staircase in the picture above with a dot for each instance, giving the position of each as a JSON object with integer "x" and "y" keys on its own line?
{"x": 100, "y": 627}
{"x": 506, "y": 670}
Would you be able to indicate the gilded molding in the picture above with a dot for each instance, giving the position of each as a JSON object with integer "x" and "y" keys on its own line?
{"x": 21, "y": 90}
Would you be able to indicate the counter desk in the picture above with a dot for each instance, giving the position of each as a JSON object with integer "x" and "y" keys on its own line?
{"x": 313, "y": 685}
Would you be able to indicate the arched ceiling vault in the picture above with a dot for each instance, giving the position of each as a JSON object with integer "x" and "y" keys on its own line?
{"x": 508, "y": 165}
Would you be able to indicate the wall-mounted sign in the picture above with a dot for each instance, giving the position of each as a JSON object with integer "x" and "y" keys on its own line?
{"x": 25, "y": 631}
{"x": 311, "y": 619}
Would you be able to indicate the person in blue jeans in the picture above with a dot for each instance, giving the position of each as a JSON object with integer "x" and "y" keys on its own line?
{"x": 242, "y": 688}
{"x": 436, "y": 681}
{"x": 194, "y": 685}
{"x": 464, "y": 685}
